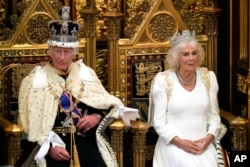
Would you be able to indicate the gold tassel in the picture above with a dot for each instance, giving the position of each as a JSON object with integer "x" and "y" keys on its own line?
{"x": 76, "y": 162}
{"x": 71, "y": 163}
{"x": 76, "y": 158}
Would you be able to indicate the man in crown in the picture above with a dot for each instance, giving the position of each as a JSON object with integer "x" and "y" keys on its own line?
{"x": 62, "y": 105}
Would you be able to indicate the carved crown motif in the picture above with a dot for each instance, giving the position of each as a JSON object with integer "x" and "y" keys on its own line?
{"x": 178, "y": 38}
{"x": 63, "y": 33}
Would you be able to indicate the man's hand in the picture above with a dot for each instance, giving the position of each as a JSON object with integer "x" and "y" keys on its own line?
{"x": 87, "y": 122}
{"x": 59, "y": 153}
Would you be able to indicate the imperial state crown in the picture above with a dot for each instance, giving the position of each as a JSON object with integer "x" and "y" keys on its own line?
{"x": 63, "y": 33}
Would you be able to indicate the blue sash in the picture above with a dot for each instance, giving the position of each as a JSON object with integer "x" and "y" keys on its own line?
{"x": 65, "y": 105}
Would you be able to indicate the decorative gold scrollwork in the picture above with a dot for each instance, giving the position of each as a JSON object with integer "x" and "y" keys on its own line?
{"x": 161, "y": 26}
{"x": 37, "y": 29}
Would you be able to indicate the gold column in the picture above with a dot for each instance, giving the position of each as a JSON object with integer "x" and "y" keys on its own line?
{"x": 90, "y": 15}
{"x": 248, "y": 104}
{"x": 117, "y": 131}
{"x": 139, "y": 130}
{"x": 211, "y": 13}
{"x": 14, "y": 7}
{"x": 113, "y": 18}
{"x": 239, "y": 129}
{"x": 13, "y": 137}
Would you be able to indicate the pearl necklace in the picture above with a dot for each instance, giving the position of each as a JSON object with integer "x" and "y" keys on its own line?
{"x": 184, "y": 82}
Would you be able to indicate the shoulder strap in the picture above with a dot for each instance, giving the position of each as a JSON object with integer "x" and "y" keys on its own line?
{"x": 205, "y": 77}
{"x": 168, "y": 83}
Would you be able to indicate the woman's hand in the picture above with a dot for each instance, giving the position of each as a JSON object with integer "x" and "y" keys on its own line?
{"x": 195, "y": 147}
{"x": 59, "y": 153}
{"x": 204, "y": 142}
{"x": 88, "y": 121}
{"x": 186, "y": 145}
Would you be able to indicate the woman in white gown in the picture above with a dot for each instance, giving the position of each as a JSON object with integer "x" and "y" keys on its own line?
{"x": 184, "y": 108}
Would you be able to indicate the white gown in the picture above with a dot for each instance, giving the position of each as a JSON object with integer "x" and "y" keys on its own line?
{"x": 187, "y": 115}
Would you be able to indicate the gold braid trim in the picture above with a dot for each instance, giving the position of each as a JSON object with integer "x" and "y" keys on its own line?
{"x": 168, "y": 83}
{"x": 205, "y": 77}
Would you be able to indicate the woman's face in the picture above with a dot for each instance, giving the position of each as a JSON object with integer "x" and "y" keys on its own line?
{"x": 188, "y": 59}
{"x": 62, "y": 57}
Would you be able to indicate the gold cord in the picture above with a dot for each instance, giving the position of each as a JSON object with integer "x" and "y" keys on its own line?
{"x": 6, "y": 68}
{"x": 75, "y": 162}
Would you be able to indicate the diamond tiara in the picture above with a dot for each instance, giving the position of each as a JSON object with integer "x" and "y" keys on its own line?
{"x": 181, "y": 37}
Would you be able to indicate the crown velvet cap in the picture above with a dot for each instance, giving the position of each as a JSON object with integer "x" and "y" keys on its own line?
{"x": 178, "y": 38}
{"x": 63, "y": 33}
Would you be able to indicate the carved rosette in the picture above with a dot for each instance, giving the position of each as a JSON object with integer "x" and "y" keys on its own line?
{"x": 161, "y": 26}
{"x": 32, "y": 35}
{"x": 37, "y": 29}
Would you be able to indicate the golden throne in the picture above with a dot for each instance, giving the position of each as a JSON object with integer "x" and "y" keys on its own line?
{"x": 142, "y": 53}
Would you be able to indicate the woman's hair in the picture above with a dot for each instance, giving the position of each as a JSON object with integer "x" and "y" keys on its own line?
{"x": 174, "y": 53}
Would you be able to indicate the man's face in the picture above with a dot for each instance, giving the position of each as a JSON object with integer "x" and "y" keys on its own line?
{"x": 61, "y": 57}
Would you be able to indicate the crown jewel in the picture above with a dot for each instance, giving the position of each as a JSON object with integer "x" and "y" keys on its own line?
{"x": 181, "y": 37}
{"x": 63, "y": 33}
